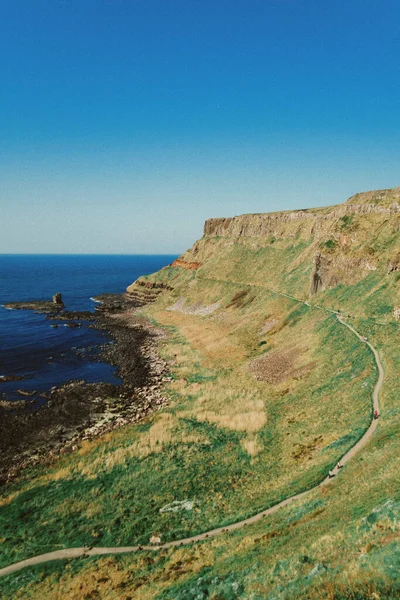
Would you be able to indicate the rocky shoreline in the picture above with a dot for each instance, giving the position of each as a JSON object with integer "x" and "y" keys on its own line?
{"x": 77, "y": 410}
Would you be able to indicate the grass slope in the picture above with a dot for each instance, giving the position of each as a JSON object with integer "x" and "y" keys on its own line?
{"x": 266, "y": 395}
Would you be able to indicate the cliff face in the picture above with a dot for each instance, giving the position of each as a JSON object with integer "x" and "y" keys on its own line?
{"x": 381, "y": 202}
{"x": 253, "y": 225}
{"x": 302, "y": 252}
{"x": 192, "y": 266}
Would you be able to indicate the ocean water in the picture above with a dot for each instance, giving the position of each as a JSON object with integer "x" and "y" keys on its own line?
{"x": 29, "y": 346}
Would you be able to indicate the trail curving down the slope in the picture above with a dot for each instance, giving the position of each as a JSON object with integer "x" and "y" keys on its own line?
{"x": 84, "y": 552}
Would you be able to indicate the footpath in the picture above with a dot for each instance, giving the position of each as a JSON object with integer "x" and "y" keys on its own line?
{"x": 82, "y": 552}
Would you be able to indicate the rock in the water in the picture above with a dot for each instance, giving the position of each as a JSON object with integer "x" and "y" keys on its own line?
{"x": 57, "y": 299}
{"x": 6, "y": 378}
{"x": 55, "y": 305}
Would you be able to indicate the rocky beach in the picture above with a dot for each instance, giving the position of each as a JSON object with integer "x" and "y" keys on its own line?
{"x": 38, "y": 428}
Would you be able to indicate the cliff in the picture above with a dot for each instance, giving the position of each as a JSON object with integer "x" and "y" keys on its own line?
{"x": 380, "y": 202}
{"x": 267, "y": 390}
{"x": 301, "y": 252}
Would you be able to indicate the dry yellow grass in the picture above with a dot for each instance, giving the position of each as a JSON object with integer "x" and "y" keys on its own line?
{"x": 162, "y": 431}
{"x": 8, "y": 499}
{"x": 242, "y": 421}
{"x": 88, "y": 445}
{"x": 209, "y": 337}
{"x": 252, "y": 445}
{"x": 235, "y": 400}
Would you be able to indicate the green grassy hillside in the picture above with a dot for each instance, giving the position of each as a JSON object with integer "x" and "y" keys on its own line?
{"x": 268, "y": 391}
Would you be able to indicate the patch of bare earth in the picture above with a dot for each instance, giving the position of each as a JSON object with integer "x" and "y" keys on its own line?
{"x": 276, "y": 367}
{"x": 269, "y": 325}
{"x": 305, "y": 451}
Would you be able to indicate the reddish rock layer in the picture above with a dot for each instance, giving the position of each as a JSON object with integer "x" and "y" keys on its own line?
{"x": 192, "y": 266}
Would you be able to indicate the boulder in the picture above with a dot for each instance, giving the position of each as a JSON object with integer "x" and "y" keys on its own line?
{"x": 155, "y": 539}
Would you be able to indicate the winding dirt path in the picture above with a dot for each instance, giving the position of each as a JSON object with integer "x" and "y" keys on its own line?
{"x": 68, "y": 553}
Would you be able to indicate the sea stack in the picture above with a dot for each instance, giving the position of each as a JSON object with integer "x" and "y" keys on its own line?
{"x": 57, "y": 299}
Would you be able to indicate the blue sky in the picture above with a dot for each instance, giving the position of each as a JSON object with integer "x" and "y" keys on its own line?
{"x": 124, "y": 124}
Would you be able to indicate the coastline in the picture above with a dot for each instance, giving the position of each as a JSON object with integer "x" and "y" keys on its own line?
{"x": 76, "y": 410}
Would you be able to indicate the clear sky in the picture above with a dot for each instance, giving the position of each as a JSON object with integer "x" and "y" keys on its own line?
{"x": 124, "y": 124}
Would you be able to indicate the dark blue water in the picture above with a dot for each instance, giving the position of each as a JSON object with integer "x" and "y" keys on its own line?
{"x": 29, "y": 346}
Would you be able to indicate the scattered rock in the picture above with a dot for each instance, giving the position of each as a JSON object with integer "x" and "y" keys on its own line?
{"x": 71, "y": 315}
{"x": 7, "y": 378}
{"x": 268, "y": 326}
{"x": 177, "y": 505}
{"x": 13, "y": 404}
{"x": 79, "y": 411}
{"x": 196, "y": 309}
{"x": 317, "y": 570}
{"x": 39, "y": 306}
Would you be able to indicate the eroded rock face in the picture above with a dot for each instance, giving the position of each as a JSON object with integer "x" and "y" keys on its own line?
{"x": 192, "y": 266}
{"x": 394, "y": 264}
{"x": 379, "y": 202}
{"x": 349, "y": 236}
{"x": 255, "y": 225}
{"x": 317, "y": 283}
{"x": 143, "y": 292}
{"x": 150, "y": 285}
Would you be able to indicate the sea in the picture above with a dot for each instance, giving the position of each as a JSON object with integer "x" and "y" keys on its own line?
{"x": 46, "y": 356}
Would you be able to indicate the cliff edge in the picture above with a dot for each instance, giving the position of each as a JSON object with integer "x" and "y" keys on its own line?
{"x": 301, "y": 252}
